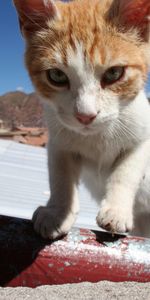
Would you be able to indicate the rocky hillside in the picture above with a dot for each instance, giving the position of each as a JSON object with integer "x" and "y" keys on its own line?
{"x": 21, "y": 109}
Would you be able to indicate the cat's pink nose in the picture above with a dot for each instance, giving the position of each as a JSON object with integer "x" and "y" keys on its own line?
{"x": 85, "y": 119}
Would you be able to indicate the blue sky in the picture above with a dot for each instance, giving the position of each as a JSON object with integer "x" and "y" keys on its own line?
{"x": 12, "y": 71}
{"x": 13, "y": 74}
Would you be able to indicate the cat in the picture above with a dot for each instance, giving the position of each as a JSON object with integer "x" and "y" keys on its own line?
{"x": 89, "y": 61}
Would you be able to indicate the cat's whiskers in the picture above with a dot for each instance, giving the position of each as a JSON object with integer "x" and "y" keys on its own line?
{"x": 118, "y": 140}
{"x": 130, "y": 122}
{"x": 54, "y": 125}
{"x": 58, "y": 133}
{"x": 68, "y": 118}
{"x": 128, "y": 132}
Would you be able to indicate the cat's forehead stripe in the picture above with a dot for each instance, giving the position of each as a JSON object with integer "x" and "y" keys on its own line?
{"x": 58, "y": 57}
{"x": 82, "y": 27}
{"x": 76, "y": 56}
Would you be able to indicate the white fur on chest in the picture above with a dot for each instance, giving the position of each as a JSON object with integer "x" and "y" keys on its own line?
{"x": 100, "y": 151}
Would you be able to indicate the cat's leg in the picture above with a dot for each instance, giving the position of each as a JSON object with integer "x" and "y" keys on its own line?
{"x": 142, "y": 207}
{"x": 116, "y": 211}
{"x": 58, "y": 216}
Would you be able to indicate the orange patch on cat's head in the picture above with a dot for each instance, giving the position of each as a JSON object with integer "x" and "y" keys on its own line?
{"x": 104, "y": 44}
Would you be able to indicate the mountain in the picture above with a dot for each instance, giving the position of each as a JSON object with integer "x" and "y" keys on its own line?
{"x": 18, "y": 108}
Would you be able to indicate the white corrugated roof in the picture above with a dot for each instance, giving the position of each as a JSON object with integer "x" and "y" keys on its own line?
{"x": 24, "y": 184}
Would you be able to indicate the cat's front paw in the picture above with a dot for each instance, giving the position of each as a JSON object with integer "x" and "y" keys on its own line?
{"x": 115, "y": 218}
{"x": 49, "y": 223}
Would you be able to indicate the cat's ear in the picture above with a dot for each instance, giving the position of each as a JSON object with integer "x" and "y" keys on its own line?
{"x": 33, "y": 14}
{"x": 132, "y": 14}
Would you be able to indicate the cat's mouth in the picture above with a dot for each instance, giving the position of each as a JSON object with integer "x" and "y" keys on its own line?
{"x": 99, "y": 125}
{"x": 90, "y": 130}
{"x": 74, "y": 126}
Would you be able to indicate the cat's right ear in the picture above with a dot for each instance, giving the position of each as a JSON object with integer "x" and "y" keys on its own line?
{"x": 34, "y": 14}
{"x": 129, "y": 14}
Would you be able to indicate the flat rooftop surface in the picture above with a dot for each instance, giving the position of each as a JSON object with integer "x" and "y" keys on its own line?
{"x": 24, "y": 184}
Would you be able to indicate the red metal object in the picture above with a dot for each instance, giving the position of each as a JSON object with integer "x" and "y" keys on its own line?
{"x": 83, "y": 255}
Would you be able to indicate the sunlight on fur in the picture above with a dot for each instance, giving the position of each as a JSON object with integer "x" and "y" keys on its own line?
{"x": 89, "y": 61}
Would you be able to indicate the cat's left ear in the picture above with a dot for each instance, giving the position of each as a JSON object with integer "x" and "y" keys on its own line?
{"x": 33, "y": 14}
{"x": 132, "y": 14}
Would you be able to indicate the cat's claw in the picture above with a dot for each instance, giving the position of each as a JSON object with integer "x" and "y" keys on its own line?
{"x": 49, "y": 224}
{"x": 114, "y": 218}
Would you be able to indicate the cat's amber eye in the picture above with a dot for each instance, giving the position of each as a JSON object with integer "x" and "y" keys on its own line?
{"x": 57, "y": 78}
{"x": 112, "y": 75}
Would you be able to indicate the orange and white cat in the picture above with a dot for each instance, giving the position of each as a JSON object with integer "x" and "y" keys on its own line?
{"x": 88, "y": 60}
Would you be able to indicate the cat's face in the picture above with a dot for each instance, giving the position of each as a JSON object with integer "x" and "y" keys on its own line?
{"x": 83, "y": 62}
